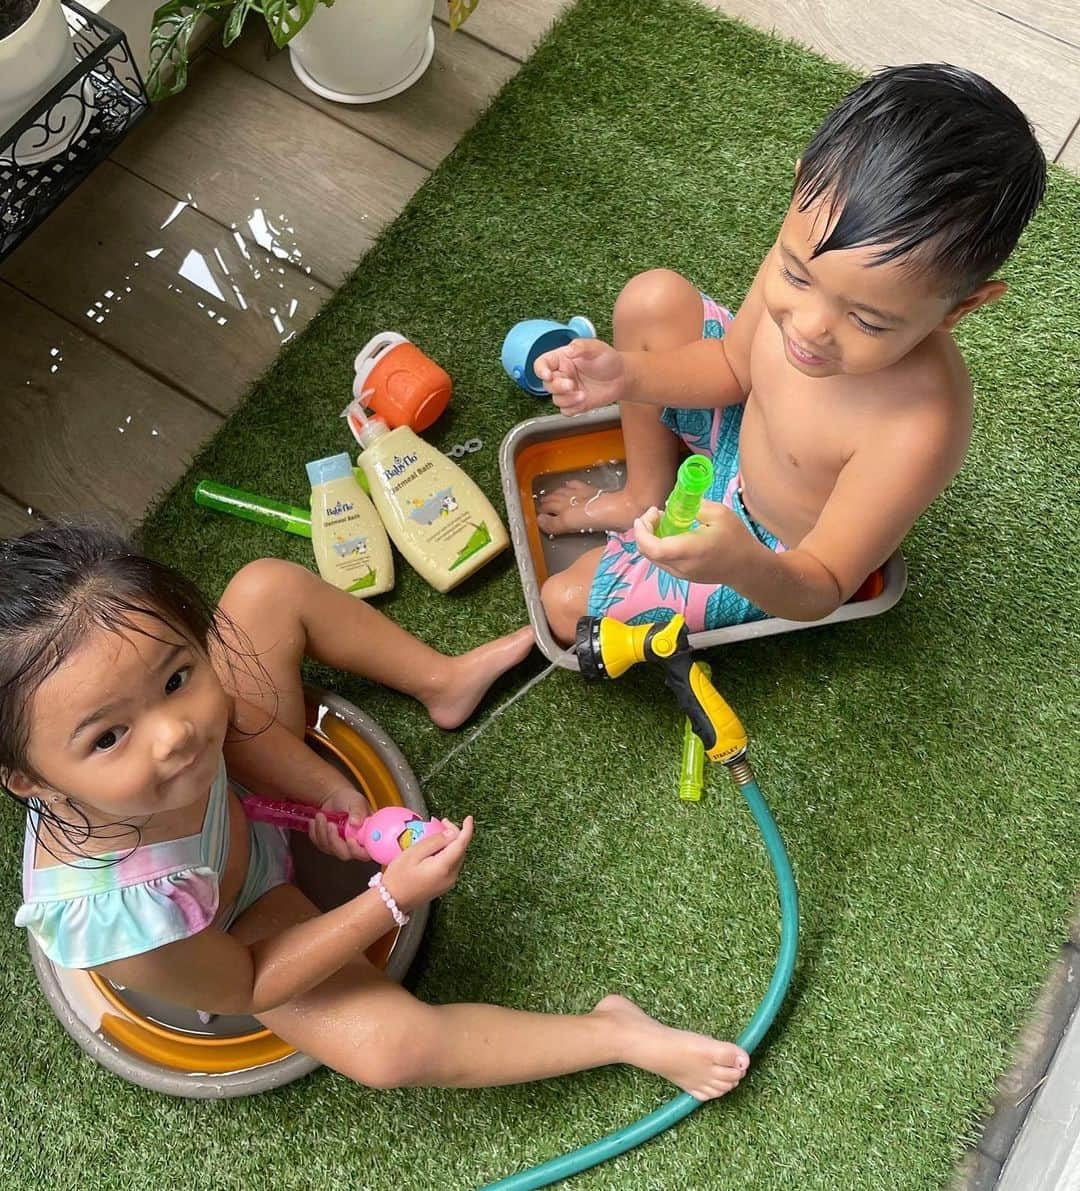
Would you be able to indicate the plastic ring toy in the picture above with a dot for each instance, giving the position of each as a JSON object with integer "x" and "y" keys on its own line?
{"x": 169, "y": 1049}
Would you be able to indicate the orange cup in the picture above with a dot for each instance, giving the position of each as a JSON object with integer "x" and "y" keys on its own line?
{"x": 398, "y": 383}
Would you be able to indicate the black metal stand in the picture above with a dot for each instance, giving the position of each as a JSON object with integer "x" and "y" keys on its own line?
{"x": 51, "y": 149}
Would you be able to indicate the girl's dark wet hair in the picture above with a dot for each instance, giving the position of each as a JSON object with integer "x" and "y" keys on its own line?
{"x": 932, "y": 163}
{"x": 56, "y": 586}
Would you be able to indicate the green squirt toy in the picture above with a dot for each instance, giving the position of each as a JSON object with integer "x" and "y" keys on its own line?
{"x": 692, "y": 767}
{"x": 694, "y": 479}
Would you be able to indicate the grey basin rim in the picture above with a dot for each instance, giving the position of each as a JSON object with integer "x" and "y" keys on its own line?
{"x": 607, "y": 418}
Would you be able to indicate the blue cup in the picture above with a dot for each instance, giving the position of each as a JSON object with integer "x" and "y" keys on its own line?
{"x": 526, "y": 341}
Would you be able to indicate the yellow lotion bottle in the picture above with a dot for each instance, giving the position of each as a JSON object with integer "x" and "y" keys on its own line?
{"x": 351, "y": 547}
{"x": 438, "y": 517}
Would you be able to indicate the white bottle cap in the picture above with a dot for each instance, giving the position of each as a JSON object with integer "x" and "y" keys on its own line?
{"x": 365, "y": 429}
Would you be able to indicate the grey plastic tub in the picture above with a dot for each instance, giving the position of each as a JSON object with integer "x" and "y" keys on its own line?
{"x": 560, "y": 552}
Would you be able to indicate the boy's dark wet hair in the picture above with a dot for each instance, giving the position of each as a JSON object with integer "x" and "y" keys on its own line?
{"x": 933, "y": 164}
{"x": 57, "y": 585}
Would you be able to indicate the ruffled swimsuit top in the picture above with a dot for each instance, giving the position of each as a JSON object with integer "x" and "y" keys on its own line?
{"x": 89, "y": 912}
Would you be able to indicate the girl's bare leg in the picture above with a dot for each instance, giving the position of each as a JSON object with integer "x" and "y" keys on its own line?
{"x": 286, "y": 613}
{"x": 377, "y": 1033}
{"x": 656, "y": 311}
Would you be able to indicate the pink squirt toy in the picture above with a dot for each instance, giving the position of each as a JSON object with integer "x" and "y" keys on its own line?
{"x": 387, "y": 833}
{"x": 383, "y": 835}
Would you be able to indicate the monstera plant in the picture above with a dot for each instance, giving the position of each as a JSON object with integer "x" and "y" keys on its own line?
{"x": 175, "y": 22}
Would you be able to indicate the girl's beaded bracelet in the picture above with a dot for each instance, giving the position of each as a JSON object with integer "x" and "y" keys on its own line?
{"x": 399, "y": 916}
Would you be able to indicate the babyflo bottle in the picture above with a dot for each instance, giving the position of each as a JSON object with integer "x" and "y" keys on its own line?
{"x": 351, "y": 547}
{"x": 438, "y": 517}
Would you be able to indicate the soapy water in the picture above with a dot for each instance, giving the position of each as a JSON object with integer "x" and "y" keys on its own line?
{"x": 561, "y": 551}
{"x": 606, "y": 476}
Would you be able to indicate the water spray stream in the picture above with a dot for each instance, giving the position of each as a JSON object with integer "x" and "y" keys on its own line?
{"x": 483, "y": 726}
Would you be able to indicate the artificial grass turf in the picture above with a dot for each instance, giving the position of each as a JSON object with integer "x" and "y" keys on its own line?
{"x": 921, "y": 766}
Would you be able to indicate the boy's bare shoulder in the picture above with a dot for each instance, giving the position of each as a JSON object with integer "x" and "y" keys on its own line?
{"x": 910, "y": 428}
{"x": 927, "y": 407}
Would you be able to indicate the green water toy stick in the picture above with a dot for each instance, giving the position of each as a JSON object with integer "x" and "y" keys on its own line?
{"x": 692, "y": 768}
{"x": 261, "y": 509}
{"x": 691, "y": 484}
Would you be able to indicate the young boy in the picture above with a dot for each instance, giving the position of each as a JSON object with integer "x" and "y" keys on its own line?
{"x": 835, "y": 406}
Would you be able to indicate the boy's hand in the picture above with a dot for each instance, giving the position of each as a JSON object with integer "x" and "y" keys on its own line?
{"x": 429, "y": 868}
{"x": 712, "y": 553}
{"x": 583, "y": 375}
{"x": 325, "y": 835}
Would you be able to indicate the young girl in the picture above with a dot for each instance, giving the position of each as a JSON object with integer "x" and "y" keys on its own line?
{"x": 124, "y": 697}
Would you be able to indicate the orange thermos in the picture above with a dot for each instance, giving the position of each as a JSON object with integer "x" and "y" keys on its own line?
{"x": 398, "y": 383}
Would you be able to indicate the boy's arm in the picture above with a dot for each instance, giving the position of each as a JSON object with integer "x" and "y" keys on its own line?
{"x": 877, "y": 497}
{"x": 705, "y": 374}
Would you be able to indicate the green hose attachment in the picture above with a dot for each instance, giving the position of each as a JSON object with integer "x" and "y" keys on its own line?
{"x": 693, "y": 480}
{"x": 683, "y": 1105}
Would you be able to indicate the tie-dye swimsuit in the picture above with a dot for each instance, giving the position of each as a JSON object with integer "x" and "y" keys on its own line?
{"x": 91, "y": 912}
{"x": 630, "y": 588}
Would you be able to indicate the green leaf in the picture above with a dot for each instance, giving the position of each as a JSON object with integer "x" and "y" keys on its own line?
{"x": 170, "y": 37}
{"x": 235, "y": 24}
{"x": 460, "y": 11}
{"x": 175, "y": 22}
{"x": 285, "y": 18}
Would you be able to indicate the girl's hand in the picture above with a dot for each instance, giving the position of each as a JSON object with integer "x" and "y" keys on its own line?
{"x": 325, "y": 835}
{"x": 429, "y": 868}
{"x": 584, "y": 374}
{"x": 713, "y": 553}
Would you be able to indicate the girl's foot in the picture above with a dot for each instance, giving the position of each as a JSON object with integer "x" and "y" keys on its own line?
{"x": 702, "y": 1066}
{"x": 575, "y": 506}
{"x": 465, "y": 679}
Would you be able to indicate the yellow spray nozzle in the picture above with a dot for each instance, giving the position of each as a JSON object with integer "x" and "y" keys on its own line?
{"x": 726, "y": 737}
{"x": 608, "y": 648}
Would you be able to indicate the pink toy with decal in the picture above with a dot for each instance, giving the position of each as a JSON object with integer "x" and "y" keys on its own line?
{"x": 383, "y": 835}
{"x": 388, "y": 832}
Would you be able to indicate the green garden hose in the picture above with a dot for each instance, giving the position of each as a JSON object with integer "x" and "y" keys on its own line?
{"x": 683, "y": 1105}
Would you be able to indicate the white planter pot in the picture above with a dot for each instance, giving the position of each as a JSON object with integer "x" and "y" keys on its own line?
{"x": 33, "y": 59}
{"x": 361, "y": 51}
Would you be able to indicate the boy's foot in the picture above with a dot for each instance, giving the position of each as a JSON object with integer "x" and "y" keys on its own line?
{"x": 702, "y": 1066}
{"x": 576, "y": 506}
{"x": 468, "y": 677}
